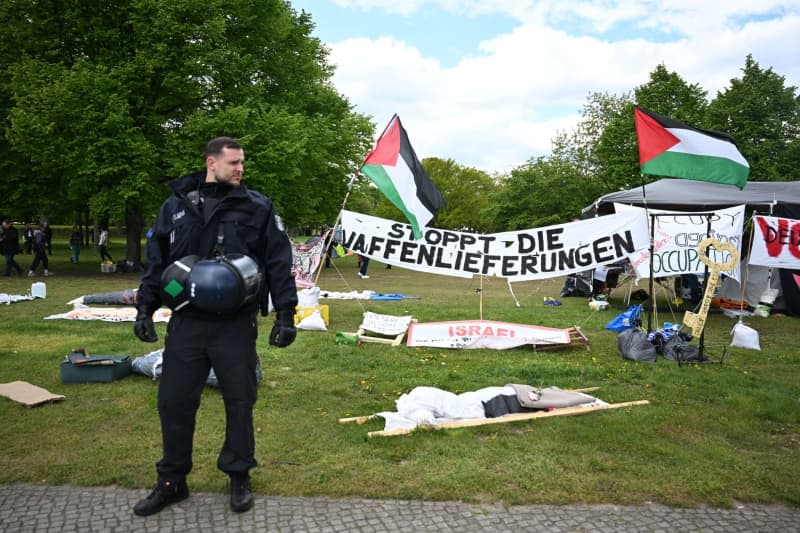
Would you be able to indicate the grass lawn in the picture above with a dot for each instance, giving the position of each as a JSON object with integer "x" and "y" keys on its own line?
{"x": 712, "y": 434}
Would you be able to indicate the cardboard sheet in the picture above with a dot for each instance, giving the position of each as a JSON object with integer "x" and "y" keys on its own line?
{"x": 27, "y": 394}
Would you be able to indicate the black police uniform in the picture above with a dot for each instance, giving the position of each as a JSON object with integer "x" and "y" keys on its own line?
{"x": 200, "y": 219}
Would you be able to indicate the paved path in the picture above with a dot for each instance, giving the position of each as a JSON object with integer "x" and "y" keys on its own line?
{"x": 65, "y": 509}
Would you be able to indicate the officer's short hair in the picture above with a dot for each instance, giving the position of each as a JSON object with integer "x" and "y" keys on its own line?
{"x": 215, "y": 146}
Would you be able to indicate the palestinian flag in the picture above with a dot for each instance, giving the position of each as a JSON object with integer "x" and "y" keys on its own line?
{"x": 669, "y": 148}
{"x": 394, "y": 168}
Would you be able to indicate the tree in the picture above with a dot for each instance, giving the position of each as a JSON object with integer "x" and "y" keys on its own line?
{"x": 107, "y": 103}
{"x": 466, "y": 193}
{"x": 588, "y": 152}
{"x": 763, "y": 114}
{"x": 542, "y": 192}
{"x": 603, "y": 147}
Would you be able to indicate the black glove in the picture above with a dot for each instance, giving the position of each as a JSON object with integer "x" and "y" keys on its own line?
{"x": 144, "y": 327}
{"x": 283, "y": 332}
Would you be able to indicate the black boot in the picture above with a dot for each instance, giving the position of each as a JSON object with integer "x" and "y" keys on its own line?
{"x": 165, "y": 493}
{"x": 241, "y": 494}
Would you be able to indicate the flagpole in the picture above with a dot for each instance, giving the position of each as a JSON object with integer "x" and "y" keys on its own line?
{"x": 344, "y": 202}
{"x": 651, "y": 287}
{"x": 329, "y": 236}
{"x": 388, "y": 124}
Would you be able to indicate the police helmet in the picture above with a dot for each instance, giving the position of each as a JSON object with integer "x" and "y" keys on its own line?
{"x": 173, "y": 282}
{"x": 223, "y": 284}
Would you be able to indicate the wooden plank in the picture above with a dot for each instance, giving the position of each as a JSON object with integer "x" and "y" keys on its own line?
{"x": 515, "y": 417}
{"x": 394, "y": 341}
{"x": 357, "y": 419}
{"x": 576, "y": 335}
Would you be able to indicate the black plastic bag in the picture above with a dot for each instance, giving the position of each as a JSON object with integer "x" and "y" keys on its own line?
{"x": 677, "y": 349}
{"x": 634, "y": 346}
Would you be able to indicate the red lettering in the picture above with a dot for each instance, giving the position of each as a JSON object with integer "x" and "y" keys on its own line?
{"x": 776, "y": 238}
{"x": 774, "y": 244}
{"x": 794, "y": 241}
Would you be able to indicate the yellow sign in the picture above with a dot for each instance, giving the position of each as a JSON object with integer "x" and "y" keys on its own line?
{"x": 697, "y": 321}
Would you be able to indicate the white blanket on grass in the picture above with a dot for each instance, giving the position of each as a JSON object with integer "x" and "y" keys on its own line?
{"x": 13, "y": 298}
{"x": 432, "y": 406}
{"x": 108, "y": 314}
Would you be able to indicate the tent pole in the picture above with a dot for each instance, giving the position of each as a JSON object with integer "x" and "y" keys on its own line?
{"x": 652, "y": 218}
{"x": 650, "y": 285}
{"x": 330, "y": 234}
{"x": 702, "y": 341}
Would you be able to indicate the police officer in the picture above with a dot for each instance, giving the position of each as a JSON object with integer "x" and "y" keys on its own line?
{"x": 211, "y": 217}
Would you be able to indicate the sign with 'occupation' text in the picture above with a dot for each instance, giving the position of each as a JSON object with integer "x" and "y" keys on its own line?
{"x": 676, "y": 236}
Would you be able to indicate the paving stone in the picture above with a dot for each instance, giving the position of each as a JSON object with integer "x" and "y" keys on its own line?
{"x": 25, "y": 507}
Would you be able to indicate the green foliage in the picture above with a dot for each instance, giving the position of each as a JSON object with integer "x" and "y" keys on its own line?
{"x": 542, "y": 192}
{"x": 669, "y": 94}
{"x": 466, "y": 192}
{"x": 759, "y": 111}
{"x": 763, "y": 114}
{"x": 106, "y": 104}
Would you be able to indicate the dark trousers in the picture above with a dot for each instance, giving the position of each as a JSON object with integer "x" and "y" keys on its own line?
{"x": 362, "y": 268}
{"x": 11, "y": 265}
{"x": 104, "y": 253}
{"x": 192, "y": 347}
{"x": 40, "y": 256}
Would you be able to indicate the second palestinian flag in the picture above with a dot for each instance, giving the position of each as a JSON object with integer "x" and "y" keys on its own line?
{"x": 394, "y": 168}
{"x": 670, "y": 148}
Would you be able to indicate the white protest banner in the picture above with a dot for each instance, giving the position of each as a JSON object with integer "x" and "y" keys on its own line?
{"x": 516, "y": 255}
{"x": 385, "y": 324}
{"x": 473, "y": 334}
{"x": 677, "y": 235}
{"x": 776, "y": 242}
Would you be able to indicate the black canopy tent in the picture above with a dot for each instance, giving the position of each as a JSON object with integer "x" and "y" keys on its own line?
{"x": 780, "y": 198}
{"x": 689, "y": 195}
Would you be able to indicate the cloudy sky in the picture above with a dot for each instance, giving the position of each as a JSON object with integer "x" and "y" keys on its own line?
{"x": 489, "y": 83}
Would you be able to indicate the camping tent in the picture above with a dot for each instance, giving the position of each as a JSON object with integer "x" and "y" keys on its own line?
{"x": 687, "y": 195}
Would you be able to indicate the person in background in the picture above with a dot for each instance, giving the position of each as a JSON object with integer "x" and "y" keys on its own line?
{"x": 9, "y": 241}
{"x": 75, "y": 244}
{"x": 363, "y": 265}
{"x": 27, "y": 236}
{"x": 48, "y": 237}
{"x": 102, "y": 245}
{"x": 39, "y": 252}
{"x": 213, "y": 215}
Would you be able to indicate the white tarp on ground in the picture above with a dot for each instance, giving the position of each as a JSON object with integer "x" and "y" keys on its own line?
{"x": 429, "y": 405}
{"x": 432, "y": 406}
{"x": 109, "y": 314}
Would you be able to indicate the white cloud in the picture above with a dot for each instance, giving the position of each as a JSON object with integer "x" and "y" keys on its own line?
{"x": 504, "y": 104}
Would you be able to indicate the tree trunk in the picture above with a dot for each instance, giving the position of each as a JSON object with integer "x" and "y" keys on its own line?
{"x": 134, "y": 223}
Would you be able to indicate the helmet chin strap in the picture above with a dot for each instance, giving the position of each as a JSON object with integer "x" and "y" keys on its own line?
{"x": 219, "y": 248}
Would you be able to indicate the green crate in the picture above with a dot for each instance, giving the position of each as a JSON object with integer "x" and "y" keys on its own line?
{"x": 96, "y": 373}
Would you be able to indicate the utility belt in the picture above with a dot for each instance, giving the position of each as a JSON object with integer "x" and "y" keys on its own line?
{"x": 221, "y": 285}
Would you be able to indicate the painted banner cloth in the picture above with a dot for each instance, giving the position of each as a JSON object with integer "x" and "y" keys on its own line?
{"x": 305, "y": 260}
{"x": 776, "y": 242}
{"x": 675, "y": 241}
{"x": 516, "y": 255}
{"x": 473, "y": 334}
